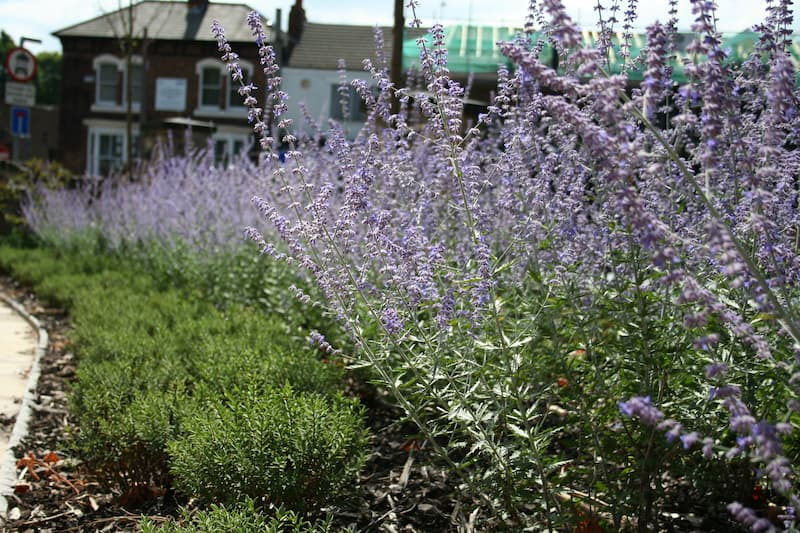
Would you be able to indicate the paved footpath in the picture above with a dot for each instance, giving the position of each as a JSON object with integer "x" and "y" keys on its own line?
{"x": 18, "y": 342}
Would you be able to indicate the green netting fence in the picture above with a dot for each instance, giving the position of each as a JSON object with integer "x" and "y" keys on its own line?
{"x": 473, "y": 49}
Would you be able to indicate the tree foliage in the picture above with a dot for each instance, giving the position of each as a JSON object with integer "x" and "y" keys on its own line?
{"x": 6, "y": 44}
{"x": 48, "y": 76}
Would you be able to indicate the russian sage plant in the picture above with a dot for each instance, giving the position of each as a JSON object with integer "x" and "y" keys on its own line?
{"x": 582, "y": 247}
{"x": 180, "y": 200}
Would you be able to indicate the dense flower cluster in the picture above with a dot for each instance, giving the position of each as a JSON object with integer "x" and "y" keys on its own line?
{"x": 183, "y": 198}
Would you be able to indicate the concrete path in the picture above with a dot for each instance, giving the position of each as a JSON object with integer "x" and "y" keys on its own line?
{"x": 18, "y": 343}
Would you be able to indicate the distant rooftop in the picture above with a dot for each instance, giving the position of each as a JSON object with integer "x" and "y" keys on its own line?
{"x": 166, "y": 20}
{"x": 322, "y": 45}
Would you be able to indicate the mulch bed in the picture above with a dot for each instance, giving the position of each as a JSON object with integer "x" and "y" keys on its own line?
{"x": 398, "y": 491}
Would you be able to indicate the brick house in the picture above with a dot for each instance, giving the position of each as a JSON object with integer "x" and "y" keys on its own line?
{"x": 176, "y": 80}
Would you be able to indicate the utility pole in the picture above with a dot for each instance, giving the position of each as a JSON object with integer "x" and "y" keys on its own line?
{"x": 144, "y": 98}
{"x": 129, "y": 90}
{"x": 21, "y": 67}
{"x": 396, "y": 71}
{"x": 277, "y": 44}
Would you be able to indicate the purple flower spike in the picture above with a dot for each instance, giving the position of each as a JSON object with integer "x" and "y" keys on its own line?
{"x": 641, "y": 408}
{"x": 715, "y": 370}
{"x": 391, "y": 321}
{"x": 689, "y": 439}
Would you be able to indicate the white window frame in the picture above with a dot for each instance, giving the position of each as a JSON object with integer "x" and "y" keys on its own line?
{"x": 120, "y": 64}
{"x": 231, "y": 138}
{"x": 99, "y": 85}
{"x": 202, "y": 65}
{"x": 237, "y": 110}
{"x": 98, "y": 128}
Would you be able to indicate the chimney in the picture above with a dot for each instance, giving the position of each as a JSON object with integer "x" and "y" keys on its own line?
{"x": 297, "y": 19}
{"x": 197, "y": 7}
{"x": 281, "y": 51}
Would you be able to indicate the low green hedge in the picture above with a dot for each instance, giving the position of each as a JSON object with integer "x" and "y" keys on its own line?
{"x": 296, "y": 450}
{"x": 242, "y": 518}
{"x": 172, "y": 389}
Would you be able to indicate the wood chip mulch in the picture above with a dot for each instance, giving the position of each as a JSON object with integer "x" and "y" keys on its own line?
{"x": 398, "y": 490}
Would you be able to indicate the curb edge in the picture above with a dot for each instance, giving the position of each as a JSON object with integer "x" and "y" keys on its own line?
{"x": 8, "y": 463}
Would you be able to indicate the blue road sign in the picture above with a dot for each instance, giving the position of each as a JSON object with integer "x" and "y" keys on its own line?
{"x": 20, "y": 121}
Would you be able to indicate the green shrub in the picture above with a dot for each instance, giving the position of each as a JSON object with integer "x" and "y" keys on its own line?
{"x": 59, "y": 276}
{"x": 28, "y": 266}
{"x": 257, "y": 351}
{"x": 137, "y": 348}
{"x": 152, "y": 356}
{"x": 125, "y": 422}
{"x": 243, "y": 518}
{"x": 300, "y": 451}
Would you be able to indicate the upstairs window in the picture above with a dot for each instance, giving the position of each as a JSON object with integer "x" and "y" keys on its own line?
{"x": 107, "y": 84}
{"x": 210, "y": 87}
{"x": 137, "y": 76}
{"x": 234, "y": 98}
{"x": 111, "y": 82}
{"x": 217, "y": 93}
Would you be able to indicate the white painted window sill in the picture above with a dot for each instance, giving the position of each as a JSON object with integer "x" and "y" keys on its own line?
{"x": 216, "y": 112}
{"x": 109, "y": 108}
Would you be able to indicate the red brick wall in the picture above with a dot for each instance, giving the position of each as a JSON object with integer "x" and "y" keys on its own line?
{"x": 170, "y": 59}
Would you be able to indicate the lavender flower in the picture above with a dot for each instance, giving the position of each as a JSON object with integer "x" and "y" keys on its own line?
{"x": 391, "y": 321}
{"x": 641, "y": 408}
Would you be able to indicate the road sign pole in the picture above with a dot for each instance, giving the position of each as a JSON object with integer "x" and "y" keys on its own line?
{"x": 20, "y": 128}
{"x": 21, "y": 67}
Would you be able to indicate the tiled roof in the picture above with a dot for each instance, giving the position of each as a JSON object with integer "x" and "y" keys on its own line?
{"x": 322, "y": 45}
{"x": 169, "y": 21}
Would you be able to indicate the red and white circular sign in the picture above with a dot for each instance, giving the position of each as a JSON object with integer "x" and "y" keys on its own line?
{"x": 21, "y": 65}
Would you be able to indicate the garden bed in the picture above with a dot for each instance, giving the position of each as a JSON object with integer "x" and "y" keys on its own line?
{"x": 397, "y": 489}
{"x": 582, "y": 304}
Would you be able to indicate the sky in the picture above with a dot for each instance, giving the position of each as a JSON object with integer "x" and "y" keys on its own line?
{"x": 37, "y": 19}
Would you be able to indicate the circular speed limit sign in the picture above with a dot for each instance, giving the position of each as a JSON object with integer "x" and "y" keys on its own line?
{"x": 21, "y": 65}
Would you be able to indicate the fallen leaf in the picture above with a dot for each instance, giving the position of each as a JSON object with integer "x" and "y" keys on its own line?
{"x": 51, "y": 458}
{"x": 28, "y": 462}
